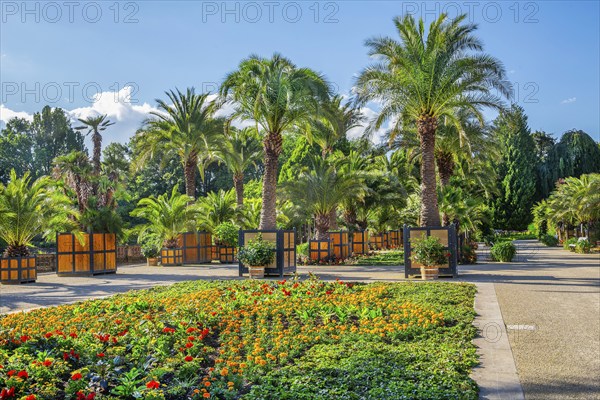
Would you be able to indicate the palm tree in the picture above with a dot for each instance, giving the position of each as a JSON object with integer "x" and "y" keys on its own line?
{"x": 240, "y": 150}
{"x": 95, "y": 125}
{"x": 277, "y": 96}
{"x": 28, "y": 209}
{"x": 320, "y": 189}
{"x": 425, "y": 77}
{"x": 167, "y": 216}
{"x": 75, "y": 170}
{"x": 215, "y": 209}
{"x": 186, "y": 128}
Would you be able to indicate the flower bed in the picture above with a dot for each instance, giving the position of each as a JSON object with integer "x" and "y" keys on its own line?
{"x": 250, "y": 340}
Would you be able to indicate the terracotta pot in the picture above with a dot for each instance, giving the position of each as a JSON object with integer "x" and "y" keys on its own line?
{"x": 256, "y": 272}
{"x": 152, "y": 262}
{"x": 430, "y": 273}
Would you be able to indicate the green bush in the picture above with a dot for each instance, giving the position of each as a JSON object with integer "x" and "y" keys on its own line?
{"x": 429, "y": 252}
{"x": 549, "y": 240}
{"x": 503, "y": 251}
{"x": 226, "y": 234}
{"x": 257, "y": 252}
{"x": 302, "y": 249}
{"x": 566, "y": 245}
{"x": 149, "y": 250}
{"x": 583, "y": 246}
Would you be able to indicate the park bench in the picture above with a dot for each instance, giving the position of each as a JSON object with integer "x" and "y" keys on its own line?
{"x": 573, "y": 245}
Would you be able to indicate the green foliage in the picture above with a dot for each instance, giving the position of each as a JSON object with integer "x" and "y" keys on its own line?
{"x": 429, "y": 251}
{"x": 549, "y": 240}
{"x": 226, "y": 233}
{"x": 516, "y": 171}
{"x": 567, "y": 244}
{"x": 302, "y": 249}
{"x": 393, "y": 257}
{"x": 257, "y": 252}
{"x": 583, "y": 246}
{"x": 468, "y": 254}
{"x": 574, "y": 155}
{"x": 29, "y": 209}
{"x": 503, "y": 251}
{"x": 149, "y": 250}
{"x": 216, "y": 208}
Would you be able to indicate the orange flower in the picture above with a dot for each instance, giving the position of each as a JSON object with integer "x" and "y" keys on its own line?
{"x": 206, "y": 395}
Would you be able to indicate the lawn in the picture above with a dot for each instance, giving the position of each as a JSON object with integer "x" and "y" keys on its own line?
{"x": 249, "y": 340}
{"x": 391, "y": 257}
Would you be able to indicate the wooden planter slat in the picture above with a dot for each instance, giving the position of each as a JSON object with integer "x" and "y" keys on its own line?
{"x": 285, "y": 250}
{"x": 16, "y": 270}
{"x": 227, "y": 254}
{"x": 395, "y": 239}
{"x": 377, "y": 241}
{"x": 360, "y": 242}
{"x": 340, "y": 243}
{"x": 447, "y": 237}
{"x": 196, "y": 246}
{"x": 97, "y": 255}
{"x": 171, "y": 257}
{"x": 320, "y": 250}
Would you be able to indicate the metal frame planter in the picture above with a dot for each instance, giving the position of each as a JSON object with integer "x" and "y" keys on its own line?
{"x": 227, "y": 254}
{"x": 377, "y": 241}
{"x": 395, "y": 239}
{"x": 285, "y": 250}
{"x": 447, "y": 236}
{"x": 95, "y": 257}
{"x": 360, "y": 242}
{"x": 340, "y": 242}
{"x": 320, "y": 250}
{"x": 171, "y": 257}
{"x": 17, "y": 270}
{"x": 197, "y": 247}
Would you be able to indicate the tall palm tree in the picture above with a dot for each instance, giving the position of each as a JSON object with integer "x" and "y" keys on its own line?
{"x": 94, "y": 126}
{"x": 320, "y": 189}
{"x": 277, "y": 96}
{"x": 167, "y": 217}
{"x": 185, "y": 127}
{"x": 240, "y": 150}
{"x": 424, "y": 77}
{"x": 76, "y": 172}
{"x": 30, "y": 208}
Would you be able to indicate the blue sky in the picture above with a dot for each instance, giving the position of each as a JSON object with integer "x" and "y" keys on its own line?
{"x": 51, "y": 52}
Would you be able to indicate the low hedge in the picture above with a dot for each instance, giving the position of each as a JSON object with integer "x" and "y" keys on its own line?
{"x": 503, "y": 251}
{"x": 549, "y": 240}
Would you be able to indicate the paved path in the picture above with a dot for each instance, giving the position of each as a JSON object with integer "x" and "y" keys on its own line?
{"x": 552, "y": 295}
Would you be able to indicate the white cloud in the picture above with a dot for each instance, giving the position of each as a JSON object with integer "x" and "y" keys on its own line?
{"x": 569, "y": 100}
{"x": 512, "y": 71}
{"x": 6, "y": 114}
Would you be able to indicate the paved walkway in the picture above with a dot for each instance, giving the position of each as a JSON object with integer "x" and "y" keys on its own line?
{"x": 549, "y": 301}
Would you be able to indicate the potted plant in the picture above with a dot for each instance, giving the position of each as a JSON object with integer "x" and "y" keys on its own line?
{"x": 168, "y": 217}
{"x": 431, "y": 254}
{"x": 256, "y": 255}
{"x": 226, "y": 239}
{"x": 28, "y": 209}
{"x": 150, "y": 251}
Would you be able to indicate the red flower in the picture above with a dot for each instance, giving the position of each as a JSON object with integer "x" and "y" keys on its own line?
{"x": 118, "y": 321}
{"x": 190, "y": 330}
{"x": 48, "y": 335}
{"x": 82, "y": 396}
{"x": 329, "y": 292}
{"x": 100, "y": 355}
{"x": 189, "y": 345}
{"x": 47, "y": 363}
{"x": 31, "y": 397}
{"x": 189, "y": 358}
{"x": 73, "y": 335}
{"x": 76, "y": 376}
{"x": 153, "y": 385}
{"x": 11, "y": 372}
{"x": 25, "y": 338}
{"x": 166, "y": 329}
{"x": 7, "y": 393}
{"x": 23, "y": 374}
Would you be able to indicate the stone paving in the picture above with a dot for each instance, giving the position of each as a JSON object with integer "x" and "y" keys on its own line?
{"x": 549, "y": 302}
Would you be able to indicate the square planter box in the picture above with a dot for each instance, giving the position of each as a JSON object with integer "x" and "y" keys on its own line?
{"x": 360, "y": 242}
{"x": 285, "y": 250}
{"x": 447, "y": 237}
{"x": 227, "y": 254}
{"x": 97, "y": 255}
{"x": 171, "y": 257}
{"x": 320, "y": 250}
{"x": 16, "y": 270}
{"x": 340, "y": 242}
{"x": 197, "y": 247}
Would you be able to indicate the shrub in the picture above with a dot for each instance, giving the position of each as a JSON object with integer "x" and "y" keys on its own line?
{"x": 149, "y": 250}
{"x": 566, "y": 245}
{"x": 468, "y": 255}
{"x": 429, "y": 252}
{"x": 549, "y": 240}
{"x": 583, "y": 246}
{"x": 257, "y": 252}
{"x": 226, "y": 234}
{"x": 302, "y": 249}
{"x": 503, "y": 251}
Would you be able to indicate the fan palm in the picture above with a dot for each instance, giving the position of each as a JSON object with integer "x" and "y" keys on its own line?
{"x": 76, "y": 172}
{"x": 277, "y": 96}
{"x": 167, "y": 217}
{"x": 320, "y": 189}
{"x": 216, "y": 208}
{"x": 424, "y": 77}
{"x": 95, "y": 125}
{"x": 28, "y": 209}
{"x": 240, "y": 150}
{"x": 185, "y": 127}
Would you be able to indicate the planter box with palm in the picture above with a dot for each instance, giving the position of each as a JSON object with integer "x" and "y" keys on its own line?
{"x": 257, "y": 254}
{"x": 431, "y": 255}
{"x": 226, "y": 239}
{"x": 28, "y": 209}
{"x": 167, "y": 218}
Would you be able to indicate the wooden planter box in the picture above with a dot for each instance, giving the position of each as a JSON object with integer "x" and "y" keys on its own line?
{"x": 227, "y": 254}
{"x": 97, "y": 255}
{"x": 285, "y": 250}
{"x": 214, "y": 253}
{"x": 360, "y": 242}
{"x": 320, "y": 250}
{"x": 446, "y": 235}
{"x": 394, "y": 239}
{"x": 171, "y": 257}
{"x": 197, "y": 247}
{"x": 340, "y": 242}
{"x": 377, "y": 241}
{"x": 16, "y": 270}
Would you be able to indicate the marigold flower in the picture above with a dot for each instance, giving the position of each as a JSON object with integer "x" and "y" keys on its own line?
{"x": 153, "y": 384}
{"x": 206, "y": 395}
{"x": 207, "y": 384}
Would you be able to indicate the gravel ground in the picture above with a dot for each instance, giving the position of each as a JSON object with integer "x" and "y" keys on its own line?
{"x": 550, "y": 302}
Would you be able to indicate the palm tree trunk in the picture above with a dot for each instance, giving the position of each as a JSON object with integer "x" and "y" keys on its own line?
{"x": 430, "y": 215}
{"x": 238, "y": 184}
{"x": 268, "y": 214}
{"x": 189, "y": 170}
{"x": 445, "y": 164}
{"x": 16, "y": 251}
{"x": 97, "y": 141}
{"x": 322, "y": 226}
{"x": 333, "y": 219}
